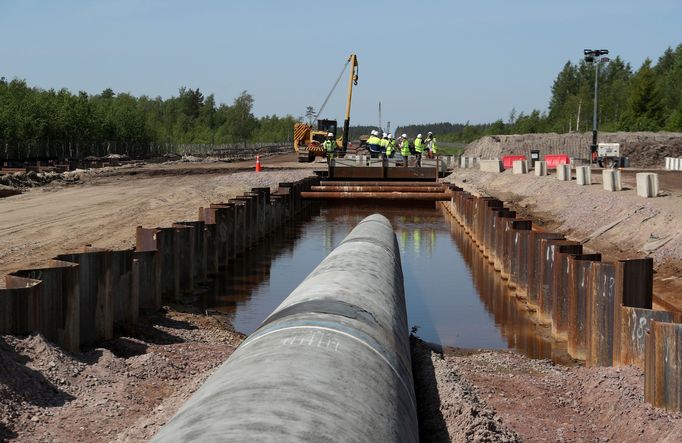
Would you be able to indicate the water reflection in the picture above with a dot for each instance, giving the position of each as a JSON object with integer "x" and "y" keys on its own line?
{"x": 516, "y": 320}
{"x": 453, "y": 295}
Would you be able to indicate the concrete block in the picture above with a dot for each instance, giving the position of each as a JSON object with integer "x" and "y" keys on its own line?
{"x": 563, "y": 173}
{"x": 491, "y": 165}
{"x": 540, "y": 168}
{"x": 647, "y": 184}
{"x": 611, "y": 180}
{"x": 677, "y": 164}
{"x": 583, "y": 175}
{"x": 668, "y": 163}
{"x": 520, "y": 167}
{"x": 464, "y": 162}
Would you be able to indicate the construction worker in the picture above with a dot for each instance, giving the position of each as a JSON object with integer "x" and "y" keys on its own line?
{"x": 383, "y": 144}
{"x": 418, "y": 149}
{"x": 390, "y": 147}
{"x": 431, "y": 145}
{"x": 405, "y": 149}
{"x": 329, "y": 146}
{"x": 427, "y": 144}
{"x": 374, "y": 143}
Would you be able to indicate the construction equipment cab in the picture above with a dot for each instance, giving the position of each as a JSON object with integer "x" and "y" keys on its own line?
{"x": 308, "y": 142}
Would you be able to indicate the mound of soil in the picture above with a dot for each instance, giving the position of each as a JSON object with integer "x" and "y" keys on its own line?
{"x": 645, "y": 149}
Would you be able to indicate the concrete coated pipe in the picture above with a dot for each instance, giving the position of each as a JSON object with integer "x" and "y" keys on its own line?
{"x": 331, "y": 363}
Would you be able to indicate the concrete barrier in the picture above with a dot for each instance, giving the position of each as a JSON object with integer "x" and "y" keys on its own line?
{"x": 611, "y": 180}
{"x": 491, "y": 165}
{"x": 540, "y": 168}
{"x": 583, "y": 175}
{"x": 647, "y": 184}
{"x": 520, "y": 167}
{"x": 334, "y": 356}
{"x": 563, "y": 172}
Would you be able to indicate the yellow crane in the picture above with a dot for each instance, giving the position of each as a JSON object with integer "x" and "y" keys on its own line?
{"x": 308, "y": 141}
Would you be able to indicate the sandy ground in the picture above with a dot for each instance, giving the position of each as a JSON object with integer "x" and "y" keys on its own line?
{"x": 617, "y": 224}
{"x": 125, "y": 389}
{"x": 104, "y": 206}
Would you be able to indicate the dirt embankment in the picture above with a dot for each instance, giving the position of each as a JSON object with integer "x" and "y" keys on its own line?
{"x": 104, "y": 207}
{"x": 122, "y": 390}
{"x": 645, "y": 149}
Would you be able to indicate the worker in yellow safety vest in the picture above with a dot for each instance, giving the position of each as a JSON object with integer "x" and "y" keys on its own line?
{"x": 431, "y": 146}
{"x": 329, "y": 146}
{"x": 419, "y": 149}
{"x": 383, "y": 144}
{"x": 390, "y": 146}
{"x": 374, "y": 143}
{"x": 405, "y": 149}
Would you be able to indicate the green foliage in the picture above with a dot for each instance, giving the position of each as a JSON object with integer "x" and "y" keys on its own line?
{"x": 649, "y": 99}
{"x": 41, "y": 122}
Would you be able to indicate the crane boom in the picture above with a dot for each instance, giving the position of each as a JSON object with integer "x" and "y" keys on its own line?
{"x": 353, "y": 80}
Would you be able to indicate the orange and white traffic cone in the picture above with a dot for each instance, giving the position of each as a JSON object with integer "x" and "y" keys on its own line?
{"x": 258, "y": 166}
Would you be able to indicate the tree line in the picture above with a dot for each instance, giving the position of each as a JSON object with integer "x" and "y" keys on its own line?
{"x": 646, "y": 99}
{"x": 36, "y": 122}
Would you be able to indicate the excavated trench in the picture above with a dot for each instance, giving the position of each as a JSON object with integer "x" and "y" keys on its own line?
{"x": 454, "y": 296}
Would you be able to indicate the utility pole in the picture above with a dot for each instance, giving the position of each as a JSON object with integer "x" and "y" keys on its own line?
{"x": 380, "y": 126}
{"x": 592, "y": 56}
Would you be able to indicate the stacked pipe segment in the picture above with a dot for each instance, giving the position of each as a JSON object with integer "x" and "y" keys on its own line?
{"x": 331, "y": 363}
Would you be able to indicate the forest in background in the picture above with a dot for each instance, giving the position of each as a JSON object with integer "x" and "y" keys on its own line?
{"x": 646, "y": 99}
{"x": 40, "y": 122}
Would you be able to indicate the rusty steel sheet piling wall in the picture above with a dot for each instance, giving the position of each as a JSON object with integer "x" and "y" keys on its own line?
{"x": 146, "y": 280}
{"x": 663, "y": 360}
{"x": 602, "y": 309}
{"x": 550, "y": 249}
{"x": 19, "y": 305}
{"x": 96, "y": 299}
{"x": 635, "y": 326}
{"x": 519, "y": 262}
{"x": 535, "y": 255}
{"x": 58, "y": 302}
{"x": 579, "y": 287}
{"x": 560, "y": 290}
{"x": 78, "y": 298}
{"x": 511, "y": 246}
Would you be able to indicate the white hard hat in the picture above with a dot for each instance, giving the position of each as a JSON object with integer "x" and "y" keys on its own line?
{"x": 331, "y": 134}
{"x": 419, "y": 136}
{"x": 390, "y": 136}
{"x": 384, "y": 134}
{"x": 430, "y": 133}
{"x": 374, "y": 132}
{"x": 404, "y": 135}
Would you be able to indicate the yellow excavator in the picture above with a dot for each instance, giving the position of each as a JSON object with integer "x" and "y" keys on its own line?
{"x": 308, "y": 141}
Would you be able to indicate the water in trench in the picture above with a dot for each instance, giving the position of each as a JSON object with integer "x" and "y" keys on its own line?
{"x": 454, "y": 297}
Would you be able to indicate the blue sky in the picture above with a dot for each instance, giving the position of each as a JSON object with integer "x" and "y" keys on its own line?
{"x": 426, "y": 61}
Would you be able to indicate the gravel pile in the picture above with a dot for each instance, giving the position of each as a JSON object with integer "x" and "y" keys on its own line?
{"x": 32, "y": 179}
{"x": 449, "y": 407}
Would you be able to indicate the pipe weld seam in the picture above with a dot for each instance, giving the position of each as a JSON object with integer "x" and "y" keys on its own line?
{"x": 380, "y": 352}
